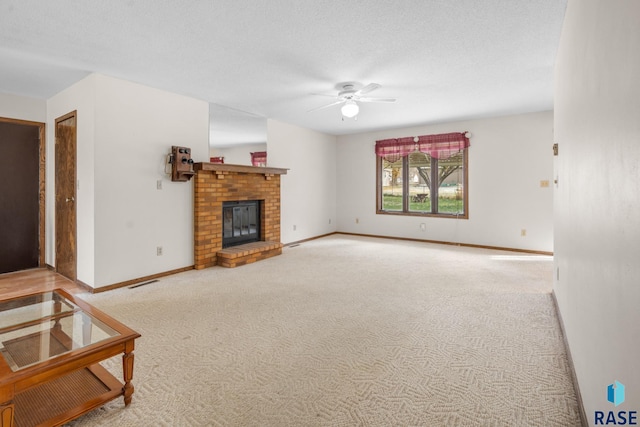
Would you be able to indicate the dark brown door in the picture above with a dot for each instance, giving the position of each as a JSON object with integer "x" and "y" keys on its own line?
{"x": 19, "y": 196}
{"x": 66, "y": 195}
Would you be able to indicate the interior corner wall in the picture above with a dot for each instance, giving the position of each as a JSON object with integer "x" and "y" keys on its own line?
{"x": 79, "y": 97}
{"x": 23, "y": 108}
{"x": 239, "y": 154}
{"x": 308, "y": 190}
{"x": 508, "y": 158}
{"x": 135, "y": 127}
{"x": 597, "y": 239}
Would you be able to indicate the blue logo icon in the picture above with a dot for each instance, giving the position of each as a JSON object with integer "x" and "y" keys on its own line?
{"x": 615, "y": 393}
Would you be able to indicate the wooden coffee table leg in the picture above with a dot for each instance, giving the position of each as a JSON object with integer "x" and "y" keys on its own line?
{"x": 6, "y": 414}
{"x": 127, "y": 365}
{"x": 7, "y": 408}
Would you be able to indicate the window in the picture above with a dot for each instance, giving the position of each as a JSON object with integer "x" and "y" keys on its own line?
{"x": 425, "y": 175}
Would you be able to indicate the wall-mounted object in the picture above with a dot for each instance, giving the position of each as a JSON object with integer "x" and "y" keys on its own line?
{"x": 555, "y": 149}
{"x": 216, "y": 159}
{"x": 181, "y": 164}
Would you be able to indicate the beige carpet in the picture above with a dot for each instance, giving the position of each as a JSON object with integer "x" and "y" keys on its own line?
{"x": 347, "y": 331}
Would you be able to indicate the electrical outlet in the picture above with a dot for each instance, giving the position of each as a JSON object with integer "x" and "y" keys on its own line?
{"x": 357, "y": 220}
{"x": 423, "y": 227}
{"x": 523, "y": 232}
{"x": 159, "y": 184}
{"x": 329, "y": 220}
{"x": 294, "y": 227}
{"x": 544, "y": 183}
{"x": 159, "y": 251}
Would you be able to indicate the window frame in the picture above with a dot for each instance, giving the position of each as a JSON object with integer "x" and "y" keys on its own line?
{"x": 405, "y": 190}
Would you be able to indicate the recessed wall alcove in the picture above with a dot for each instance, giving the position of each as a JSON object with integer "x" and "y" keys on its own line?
{"x": 218, "y": 183}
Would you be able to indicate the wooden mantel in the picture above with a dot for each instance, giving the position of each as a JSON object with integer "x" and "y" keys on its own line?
{"x": 222, "y": 167}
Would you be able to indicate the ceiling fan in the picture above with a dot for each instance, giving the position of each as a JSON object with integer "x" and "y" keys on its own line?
{"x": 350, "y": 95}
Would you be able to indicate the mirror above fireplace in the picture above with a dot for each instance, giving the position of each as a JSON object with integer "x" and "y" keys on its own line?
{"x": 235, "y": 134}
{"x": 229, "y": 127}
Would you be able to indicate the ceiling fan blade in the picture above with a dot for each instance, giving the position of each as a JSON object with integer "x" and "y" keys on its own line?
{"x": 325, "y": 94}
{"x": 368, "y": 88}
{"x": 365, "y": 99}
{"x": 326, "y": 106}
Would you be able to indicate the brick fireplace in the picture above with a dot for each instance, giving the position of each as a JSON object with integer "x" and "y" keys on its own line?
{"x": 217, "y": 183}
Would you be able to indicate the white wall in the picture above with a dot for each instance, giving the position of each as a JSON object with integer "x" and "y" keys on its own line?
{"x": 508, "y": 158}
{"x": 597, "y": 127}
{"x": 81, "y": 98}
{"x": 308, "y": 191}
{"x": 239, "y": 154}
{"x": 125, "y": 131}
{"x": 135, "y": 129}
{"x": 23, "y": 108}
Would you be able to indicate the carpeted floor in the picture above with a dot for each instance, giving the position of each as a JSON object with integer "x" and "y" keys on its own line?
{"x": 347, "y": 331}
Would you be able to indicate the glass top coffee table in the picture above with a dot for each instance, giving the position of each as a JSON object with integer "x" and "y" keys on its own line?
{"x": 51, "y": 344}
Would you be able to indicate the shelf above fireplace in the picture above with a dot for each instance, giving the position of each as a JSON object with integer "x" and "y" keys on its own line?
{"x": 224, "y": 167}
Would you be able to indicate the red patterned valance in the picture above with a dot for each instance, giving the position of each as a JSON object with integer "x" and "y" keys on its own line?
{"x": 259, "y": 158}
{"x": 440, "y": 146}
{"x": 394, "y": 149}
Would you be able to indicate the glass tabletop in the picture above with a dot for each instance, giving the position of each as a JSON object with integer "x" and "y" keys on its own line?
{"x": 39, "y": 327}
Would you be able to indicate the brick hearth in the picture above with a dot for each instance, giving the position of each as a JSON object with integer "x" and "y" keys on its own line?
{"x": 217, "y": 183}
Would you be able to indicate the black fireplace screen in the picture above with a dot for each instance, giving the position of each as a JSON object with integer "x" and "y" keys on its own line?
{"x": 240, "y": 222}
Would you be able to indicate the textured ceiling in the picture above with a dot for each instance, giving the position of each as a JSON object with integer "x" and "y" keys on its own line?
{"x": 442, "y": 60}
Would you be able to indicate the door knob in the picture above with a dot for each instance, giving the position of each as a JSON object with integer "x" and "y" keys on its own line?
{"x": 70, "y": 199}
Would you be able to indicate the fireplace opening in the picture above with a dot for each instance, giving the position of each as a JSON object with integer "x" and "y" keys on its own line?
{"x": 240, "y": 222}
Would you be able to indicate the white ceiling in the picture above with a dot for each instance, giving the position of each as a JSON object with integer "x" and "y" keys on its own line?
{"x": 442, "y": 59}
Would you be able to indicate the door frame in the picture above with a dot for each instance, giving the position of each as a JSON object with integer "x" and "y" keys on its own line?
{"x": 41, "y": 179}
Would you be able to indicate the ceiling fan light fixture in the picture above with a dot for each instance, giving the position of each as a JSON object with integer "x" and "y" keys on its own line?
{"x": 350, "y": 109}
{"x": 349, "y": 96}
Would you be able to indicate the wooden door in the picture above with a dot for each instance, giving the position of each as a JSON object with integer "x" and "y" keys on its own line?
{"x": 19, "y": 196}
{"x": 66, "y": 195}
